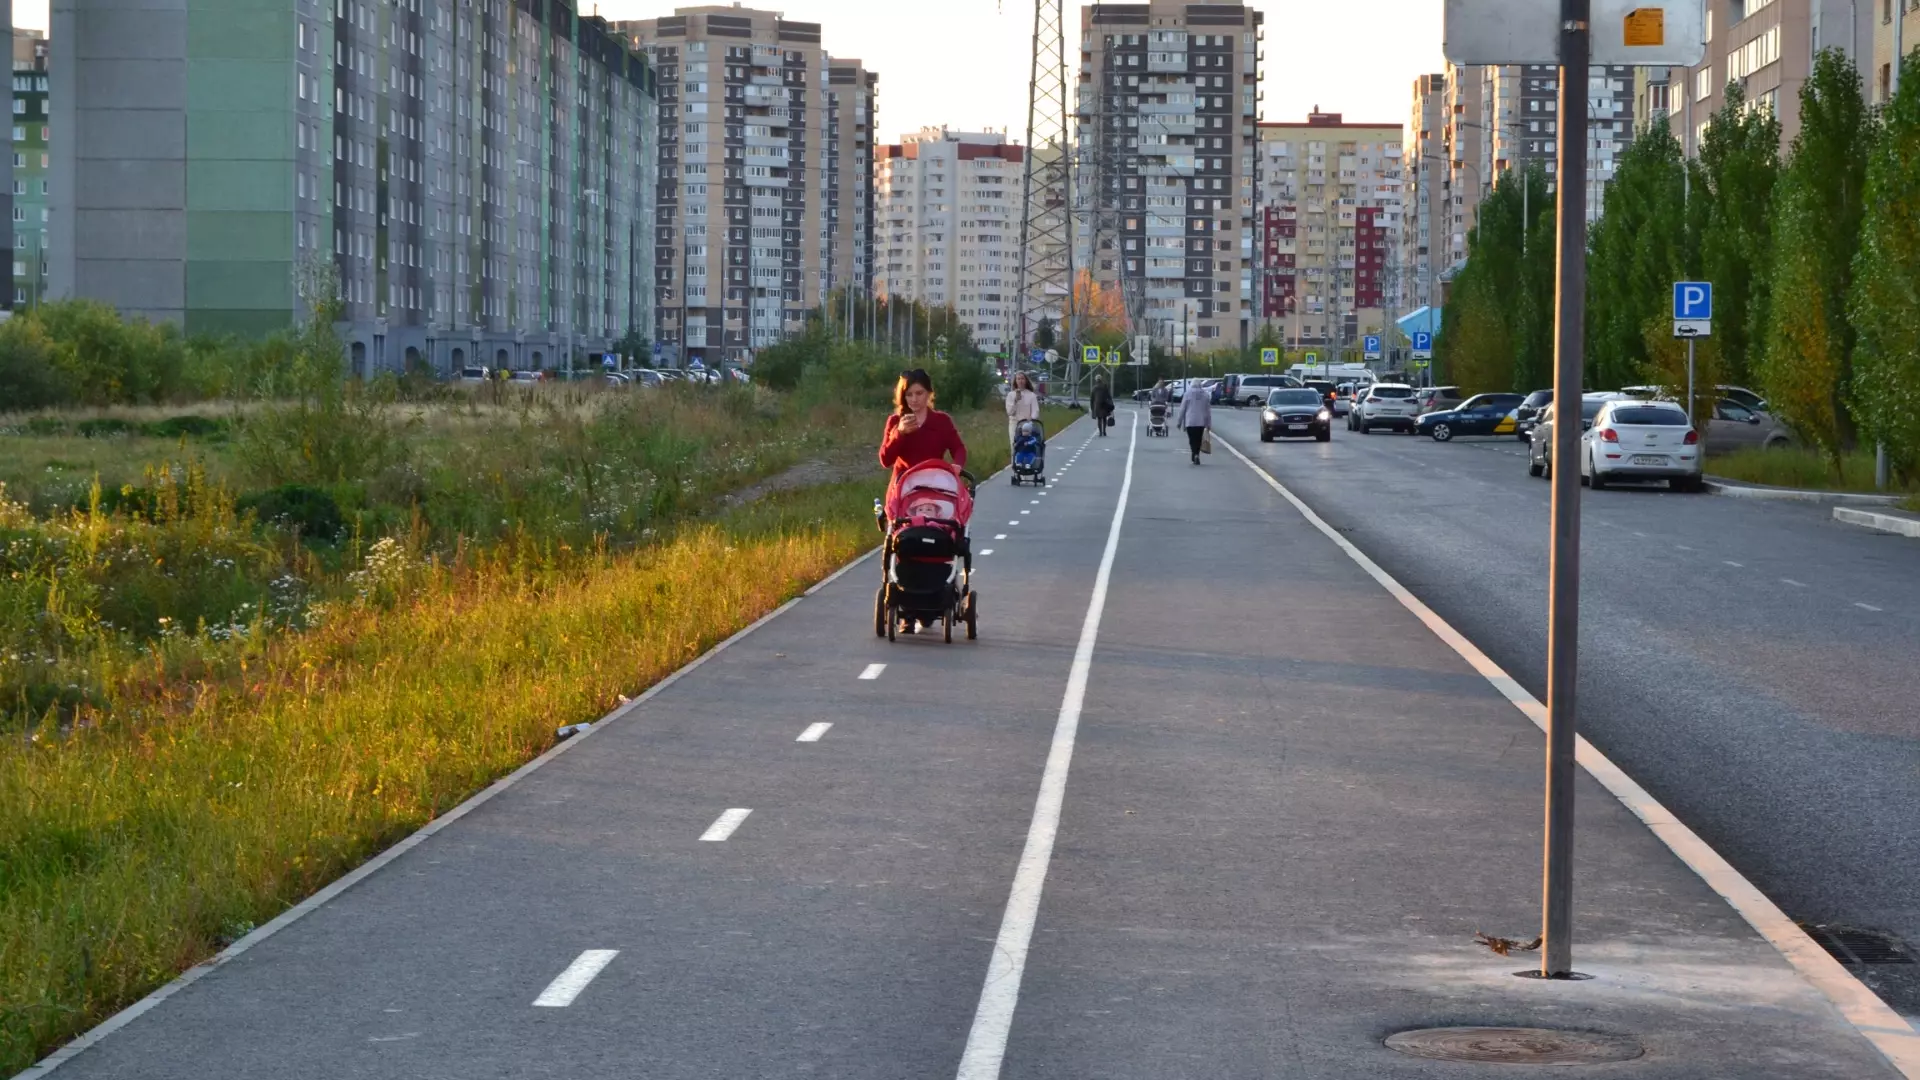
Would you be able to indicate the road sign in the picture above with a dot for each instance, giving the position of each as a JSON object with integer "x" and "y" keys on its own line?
{"x": 610, "y": 361}
{"x": 1269, "y": 357}
{"x": 1422, "y": 363}
{"x": 1312, "y": 358}
{"x": 1692, "y": 309}
{"x": 1113, "y": 357}
{"x": 1645, "y": 33}
{"x": 1090, "y": 354}
{"x": 1038, "y": 357}
{"x": 1142, "y": 348}
{"x": 656, "y": 350}
{"x": 1422, "y": 345}
{"x": 1372, "y": 346}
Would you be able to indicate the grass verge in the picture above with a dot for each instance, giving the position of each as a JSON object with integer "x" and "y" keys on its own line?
{"x": 138, "y": 845}
{"x": 1796, "y": 467}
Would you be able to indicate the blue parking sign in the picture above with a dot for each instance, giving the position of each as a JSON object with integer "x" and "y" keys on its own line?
{"x": 1372, "y": 346}
{"x": 1422, "y": 345}
{"x": 1693, "y": 299}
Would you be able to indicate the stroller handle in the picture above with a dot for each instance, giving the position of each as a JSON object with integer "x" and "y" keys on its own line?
{"x": 972, "y": 484}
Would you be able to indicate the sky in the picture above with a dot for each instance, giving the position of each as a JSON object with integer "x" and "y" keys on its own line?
{"x": 964, "y": 63}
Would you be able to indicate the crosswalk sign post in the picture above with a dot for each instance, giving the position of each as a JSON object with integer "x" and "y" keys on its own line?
{"x": 1269, "y": 357}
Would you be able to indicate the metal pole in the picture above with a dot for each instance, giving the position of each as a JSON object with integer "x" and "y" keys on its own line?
{"x": 1563, "y": 585}
{"x": 1880, "y": 464}
{"x": 1689, "y": 380}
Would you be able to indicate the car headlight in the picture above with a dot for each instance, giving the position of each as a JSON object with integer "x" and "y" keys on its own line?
{"x": 1324, "y": 414}
{"x": 1267, "y": 414}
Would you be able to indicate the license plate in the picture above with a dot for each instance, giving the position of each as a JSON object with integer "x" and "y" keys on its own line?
{"x": 1649, "y": 459}
{"x": 1296, "y": 427}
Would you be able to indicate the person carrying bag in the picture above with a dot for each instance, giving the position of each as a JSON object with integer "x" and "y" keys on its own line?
{"x": 1196, "y": 415}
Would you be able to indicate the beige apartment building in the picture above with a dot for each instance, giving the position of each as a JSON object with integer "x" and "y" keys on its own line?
{"x": 1331, "y": 196}
{"x": 949, "y": 226}
{"x": 765, "y": 195}
{"x": 1767, "y": 46}
{"x": 1426, "y": 167}
{"x": 1168, "y": 103}
{"x": 1881, "y": 26}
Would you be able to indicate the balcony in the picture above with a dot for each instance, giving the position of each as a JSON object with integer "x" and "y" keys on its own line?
{"x": 1167, "y": 62}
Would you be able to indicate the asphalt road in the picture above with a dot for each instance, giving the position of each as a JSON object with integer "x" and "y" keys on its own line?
{"x": 1269, "y": 809}
{"x": 1755, "y": 665}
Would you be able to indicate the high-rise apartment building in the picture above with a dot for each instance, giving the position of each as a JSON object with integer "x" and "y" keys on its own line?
{"x": 1767, "y": 46}
{"x": 1331, "y": 214}
{"x": 1425, "y": 197}
{"x": 949, "y": 219}
{"x": 1167, "y": 111}
{"x": 1465, "y": 134}
{"x": 26, "y": 215}
{"x": 1880, "y": 24}
{"x": 477, "y": 174}
{"x": 765, "y": 178}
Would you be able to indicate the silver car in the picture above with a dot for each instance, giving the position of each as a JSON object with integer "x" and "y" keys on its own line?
{"x": 1389, "y": 405}
{"x": 1736, "y": 427}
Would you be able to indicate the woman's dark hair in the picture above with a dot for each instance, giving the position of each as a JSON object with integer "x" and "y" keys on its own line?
{"x": 909, "y": 378}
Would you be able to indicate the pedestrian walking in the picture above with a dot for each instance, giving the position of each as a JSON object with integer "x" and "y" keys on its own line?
{"x": 1102, "y": 404}
{"x": 916, "y": 431}
{"x": 1022, "y": 404}
{"x": 1196, "y": 415}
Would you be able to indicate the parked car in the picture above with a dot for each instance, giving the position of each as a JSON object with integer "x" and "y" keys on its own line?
{"x": 1388, "y": 405}
{"x": 1737, "y": 427}
{"x": 1481, "y": 414}
{"x": 1436, "y": 398}
{"x": 1540, "y": 439}
{"x": 526, "y": 377}
{"x": 1641, "y": 440}
{"x": 475, "y": 374}
{"x": 1528, "y": 412}
{"x": 1744, "y": 398}
{"x": 1295, "y": 413}
{"x": 1254, "y": 389}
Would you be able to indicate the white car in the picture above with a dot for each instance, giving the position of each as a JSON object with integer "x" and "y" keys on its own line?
{"x": 1389, "y": 405}
{"x": 1641, "y": 440}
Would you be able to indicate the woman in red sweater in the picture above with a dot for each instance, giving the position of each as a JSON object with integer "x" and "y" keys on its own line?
{"x": 917, "y": 431}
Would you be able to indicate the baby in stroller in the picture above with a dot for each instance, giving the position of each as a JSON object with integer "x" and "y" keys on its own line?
{"x": 925, "y": 518}
{"x": 1029, "y": 453}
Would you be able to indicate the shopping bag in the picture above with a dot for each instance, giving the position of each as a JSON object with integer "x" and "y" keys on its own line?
{"x": 1206, "y": 443}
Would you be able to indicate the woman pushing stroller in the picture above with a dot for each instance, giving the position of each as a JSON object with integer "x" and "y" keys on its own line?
{"x": 924, "y": 516}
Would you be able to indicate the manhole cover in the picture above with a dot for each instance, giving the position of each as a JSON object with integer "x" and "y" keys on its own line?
{"x": 1853, "y": 946}
{"x": 1515, "y": 1046}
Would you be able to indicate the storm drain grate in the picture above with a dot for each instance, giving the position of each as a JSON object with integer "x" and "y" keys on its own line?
{"x": 1851, "y": 946}
{"x": 1515, "y": 1046}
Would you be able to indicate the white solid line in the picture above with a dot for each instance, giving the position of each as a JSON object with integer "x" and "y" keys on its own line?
{"x": 1886, "y": 1029}
{"x": 873, "y": 671}
{"x": 993, "y": 1019}
{"x": 724, "y": 825}
{"x": 1866, "y": 607}
{"x": 813, "y": 732}
{"x": 1796, "y": 584}
{"x": 560, "y": 992}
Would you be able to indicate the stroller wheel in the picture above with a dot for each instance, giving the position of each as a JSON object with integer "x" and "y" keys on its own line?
{"x": 946, "y": 625}
{"x": 880, "y": 612}
{"x": 1016, "y": 479}
{"x": 970, "y": 611}
{"x": 893, "y": 624}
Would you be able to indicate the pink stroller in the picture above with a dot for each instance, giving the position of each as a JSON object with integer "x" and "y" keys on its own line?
{"x": 925, "y": 518}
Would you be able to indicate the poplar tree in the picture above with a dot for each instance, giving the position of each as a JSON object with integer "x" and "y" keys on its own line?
{"x": 1885, "y": 299}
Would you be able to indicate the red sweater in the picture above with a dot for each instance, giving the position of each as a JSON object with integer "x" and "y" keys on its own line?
{"x": 934, "y": 439}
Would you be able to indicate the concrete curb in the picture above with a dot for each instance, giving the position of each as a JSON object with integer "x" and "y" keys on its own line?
{"x": 1776, "y": 494}
{"x": 1899, "y": 525}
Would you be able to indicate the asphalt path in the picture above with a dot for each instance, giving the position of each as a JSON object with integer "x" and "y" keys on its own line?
{"x": 822, "y": 854}
{"x": 1755, "y": 665}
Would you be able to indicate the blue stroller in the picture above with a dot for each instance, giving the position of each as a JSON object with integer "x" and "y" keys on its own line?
{"x": 1029, "y": 453}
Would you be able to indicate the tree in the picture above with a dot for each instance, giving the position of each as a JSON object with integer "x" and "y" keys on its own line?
{"x": 1807, "y": 364}
{"x": 1499, "y": 312}
{"x": 1739, "y": 165}
{"x": 1640, "y": 246}
{"x": 1043, "y": 335}
{"x": 1885, "y": 296}
{"x": 1097, "y": 309}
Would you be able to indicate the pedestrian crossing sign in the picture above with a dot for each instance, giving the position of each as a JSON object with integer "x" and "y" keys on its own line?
{"x": 1090, "y": 354}
{"x": 1269, "y": 357}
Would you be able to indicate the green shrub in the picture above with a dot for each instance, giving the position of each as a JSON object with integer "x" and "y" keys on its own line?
{"x": 311, "y": 511}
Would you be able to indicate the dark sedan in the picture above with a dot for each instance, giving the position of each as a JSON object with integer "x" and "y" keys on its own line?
{"x": 1529, "y": 412}
{"x": 1296, "y": 414}
{"x": 1481, "y": 414}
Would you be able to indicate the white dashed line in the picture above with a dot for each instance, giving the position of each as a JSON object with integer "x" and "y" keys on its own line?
{"x": 723, "y": 827}
{"x": 1026, "y": 511}
{"x": 999, "y": 536}
{"x": 1683, "y": 547}
{"x": 1866, "y": 607}
{"x": 986, "y": 551}
{"x": 1730, "y": 562}
{"x": 1035, "y": 502}
{"x": 560, "y": 992}
{"x": 1016, "y": 521}
{"x": 873, "y": 671}
{"x": 813, "y": 732}
{"x": 1641, "y": 535}
{"x": 1795, "y": 584}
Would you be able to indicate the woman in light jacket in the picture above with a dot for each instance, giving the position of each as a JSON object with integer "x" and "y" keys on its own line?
{"x": 1022, "y": 404}
{"x": 1196, "y": 415}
